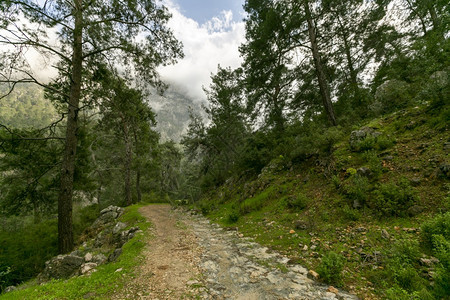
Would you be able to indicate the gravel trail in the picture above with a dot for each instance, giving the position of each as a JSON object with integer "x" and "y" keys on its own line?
{"x": 190, "y": 258}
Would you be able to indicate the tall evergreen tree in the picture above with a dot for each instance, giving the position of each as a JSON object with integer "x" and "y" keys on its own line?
{"x": 131, "y": 33}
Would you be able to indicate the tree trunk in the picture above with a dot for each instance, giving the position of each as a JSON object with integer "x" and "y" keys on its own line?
{"x": 277, "y": 111}
{"x": 138, "y": 169}
{"x": 65, "y": 227}
{"x": 323, "y": 84}
{"x": 434, "y": 18}
{"x": 128, "y": 161}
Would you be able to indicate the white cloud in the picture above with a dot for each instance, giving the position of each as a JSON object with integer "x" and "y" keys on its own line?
{"x": 205, "y": 47}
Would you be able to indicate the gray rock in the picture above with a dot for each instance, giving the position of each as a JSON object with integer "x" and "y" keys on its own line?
{"x": 385, "y": 235}
{"x": 445, "y": 169}
{"x": 61, "y": 267}
{"x": 115, "y": 255}
{"x": 414, "y": 210}
{"x": 360, "y": 135}
{"x": 364, "y": 172}
{"x": 99, "y": 259}
{"x": 127, "y": 235}
{"x": 119, "y": 227}
{"x": 87, "y": 268}
{"x": 88, "y": 257}
{"x": 10, "y": 289}
{"x": 301, "y": 225}
{"x": 108, "y": 215}
{"x": 416, "y": 181}
{"x": 356, "y": 204}
{"x": 356, "y": 137}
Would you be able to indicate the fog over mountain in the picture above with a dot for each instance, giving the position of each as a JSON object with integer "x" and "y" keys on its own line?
{"x": 172, "y": 111}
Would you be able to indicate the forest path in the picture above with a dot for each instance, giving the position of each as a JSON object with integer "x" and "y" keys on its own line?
{"x": 190, "y": 258}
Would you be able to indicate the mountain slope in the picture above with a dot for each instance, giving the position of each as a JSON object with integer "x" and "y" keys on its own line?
{"x": 356, "y": 215}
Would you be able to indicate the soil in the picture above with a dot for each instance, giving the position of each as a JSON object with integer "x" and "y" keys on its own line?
{"x": 171, "y": 259}
{"x": 187, "y": 257}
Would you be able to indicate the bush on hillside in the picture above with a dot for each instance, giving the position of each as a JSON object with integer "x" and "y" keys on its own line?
{"x": 391, "y": 199}
{"x": 439, "y": 225}
{"x": 331, "y": 267}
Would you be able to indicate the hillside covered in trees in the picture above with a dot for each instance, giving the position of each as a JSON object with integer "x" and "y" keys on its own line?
{"x": 329, "y": 143}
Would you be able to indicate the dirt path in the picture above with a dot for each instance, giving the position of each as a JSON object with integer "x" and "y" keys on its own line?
{"x": 189, "y": 258}
{"x": 171, "y": 259}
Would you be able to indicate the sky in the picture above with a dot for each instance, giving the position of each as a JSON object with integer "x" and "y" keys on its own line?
{"x": 211, "y": 32}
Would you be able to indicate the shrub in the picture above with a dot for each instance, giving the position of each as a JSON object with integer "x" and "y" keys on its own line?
{"x": 401, "y": 268}
{"x": 373, "y": 162}
{"x": 84, "y": 217}
{"x": 24, "y": 257}
{"x": 357, "y": 190}
{"x": 350, "y": 214}
{"x": 331, "y": 267}
{"x": 336, "y": 182}
{"x": 384, "y": 142}
{"x": 255, "y": 203}
{"x": 233, "y": 217}
{"x": 439, "y": 225}
{"x": 298, "y": 202}
{"x": 251, "y": 204}
{"x": 393, "y": 199}
{"x": 397, "y": 293}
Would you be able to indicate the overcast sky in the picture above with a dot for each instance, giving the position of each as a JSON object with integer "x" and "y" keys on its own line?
{"x": 211, "y": 32}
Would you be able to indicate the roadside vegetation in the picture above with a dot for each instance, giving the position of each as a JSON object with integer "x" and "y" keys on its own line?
{"x": 103, "y": 283}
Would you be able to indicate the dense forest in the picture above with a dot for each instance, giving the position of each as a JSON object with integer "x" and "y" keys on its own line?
{"x": 314, "y": 74}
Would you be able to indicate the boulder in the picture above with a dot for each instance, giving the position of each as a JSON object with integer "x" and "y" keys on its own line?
{"x": 99, "y": 259}
{"x": 364, "y": 172}
{"x": 87, "y": 268}
{"x": 115, "y": 255}
{"x": 300, "y": 225}
{"x": 88, "y": 257}
{"x": 108, "y": 215}
{"x": 313, "y": 275}
{"x": 357, "y": 136}
{"x": 444, "y": 168}
{"x": 127, "y": 235}
{"x": 385, "y": 235}
{"x": 414, "y": 210}
{"x": 61, "y": 267}
{"x": 10, "y": 289}
{"x": 119, "y": 227}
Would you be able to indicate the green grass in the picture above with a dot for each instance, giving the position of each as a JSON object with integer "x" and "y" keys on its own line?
{"x": 318, "y": 206}
{"x": 101, "y": 284}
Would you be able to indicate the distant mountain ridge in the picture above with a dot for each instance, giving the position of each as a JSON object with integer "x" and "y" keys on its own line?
{"x": 172, "y": 111}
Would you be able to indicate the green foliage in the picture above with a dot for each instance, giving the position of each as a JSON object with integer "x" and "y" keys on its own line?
{"x": 380, "y": 143}
{"x": 26, "y": 107}
{"x": 393, "y": 95}
{"x": 103, "y": 283}
{"x": 298, "y": 202}
{"x": 24, "y": 257}
{"x": 84, "y": 217}
{"x": 401, "y": 268}
{"x": 350, "y": 214}
{"x": 233, "y": 217}
{"x": 252, "y": 204}
{"x": 374, "y": 163}
{"x": 439, "y": 225}
{"x": 393, "y": 199}
{"x": 331, "y": 267}
{"x": 357, "y": 189}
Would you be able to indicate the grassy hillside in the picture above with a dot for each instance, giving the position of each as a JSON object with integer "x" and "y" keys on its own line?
{"x": 102, "y": 284}
{"x": 371, "y": 217}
